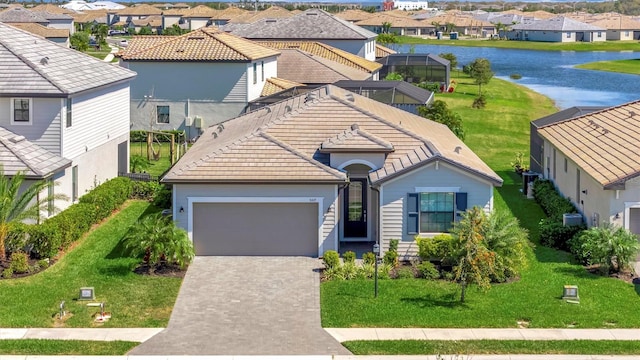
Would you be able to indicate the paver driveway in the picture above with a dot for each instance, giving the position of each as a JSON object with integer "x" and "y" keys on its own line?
{"x": 246, "y": 306}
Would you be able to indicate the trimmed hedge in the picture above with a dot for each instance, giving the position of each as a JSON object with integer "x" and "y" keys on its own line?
{"x": 109, "y": 196}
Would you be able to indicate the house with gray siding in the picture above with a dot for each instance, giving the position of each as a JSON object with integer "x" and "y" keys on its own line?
{"x": 323, "y": 170}
{"x": 558, "y": 29}
{"x": 76, "y": 127}
{"x": 593, "y": 161}
{"x": 195, "y": 80}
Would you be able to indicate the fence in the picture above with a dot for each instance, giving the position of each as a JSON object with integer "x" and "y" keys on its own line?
{"x": 139, "y": 176}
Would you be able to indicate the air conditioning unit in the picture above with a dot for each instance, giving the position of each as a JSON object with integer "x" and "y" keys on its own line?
{"x": 197, "y": 122}
{"x": 571, "y": 219}
{"x": 188, "y": 121}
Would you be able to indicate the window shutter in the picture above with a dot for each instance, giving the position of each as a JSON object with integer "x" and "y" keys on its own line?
{"x": 461, "y": 201}
{"x": 413, "y": 212}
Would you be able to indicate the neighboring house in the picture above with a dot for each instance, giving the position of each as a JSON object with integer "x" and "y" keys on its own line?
{"x": 399, "y": 94}
{"x": 619, "y": 27}
{"x": 322, "y": 169}
{"x": 58, "y": 36}
{"x": 410, "y": 5}
{"x": 463, "y": 24}
{"x": 382, "y": 51}
{"x": 153, "y": 22}
{"x": 354, "y": 15}
{"x": 273, "y": 12}
{"x": 58, "y": 21}
{"x": 276, "y": 85}
{"x": 87, "y": 18}
{"x": 303, "y": 67}
{"x": 192, "y": 81}
{"x": 593, "y": 161}
{"x": 397, "y": 25}
{"x": 128, "y": 14}
{"x": 199, "y": 17}
{"x": 313, "y": 25}
{"x": 172, "y": 17}
{"x": 558, "y": 29}
{"x": 81, "y": 5}
{"x": 22, "y": 15}
{"x": 76, "y": 127}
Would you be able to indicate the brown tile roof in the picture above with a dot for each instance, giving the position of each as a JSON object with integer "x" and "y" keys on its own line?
{"x": 538, "y": 14}
{"x": 53, "y": 9}
{"x": 303, "y": 67}
{"x": 89, "y": 15}
{"x": 355, "y": 139}
{"x": 153, "y": 21}
{"x": 382, "y": 51}
{"x": 45, "y": 32}
{"x": 205, "y": 44}
{"x": 139, "y": 10}
{"x": 615, "y": 23}
{"x": 301, "y": 124}
{"x": 354, "y": 15}
{"x": 173, "y": 12}
{"x": 200, "y": 11}
{"x": 273, "y": 12}
{"x": 230, "y": 13}
{"x": 327, "y": 52}
{"x": 605, "y": 144}
{"x": 275, "y": 85}
{"x": 458, "y": 20}
{"x": 395, "y": 21}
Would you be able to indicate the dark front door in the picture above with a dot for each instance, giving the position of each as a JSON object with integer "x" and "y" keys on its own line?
{"x": 355, "y": 209}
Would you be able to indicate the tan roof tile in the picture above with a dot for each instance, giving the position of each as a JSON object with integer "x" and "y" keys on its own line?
{"x": 299, "y": 66}
{"x": 275, "y": 85}
{"x": 382, "y": 51}
{"x": 615, "y": 23}
{"x": 354, "y": 15}
{"x": 201, "y": 11}
{"x": 153, "y": 21}
{"x": 139, "y": 10}
{"x": 44, "y": 31}
{"x": 205, "y": 44}
{"x": 355, "y": 139}
{"x": 605, "y": 144}
{"x": 395, "y": 21}
{"x": 273, "y": 12}
{"x": 52, "y": 9}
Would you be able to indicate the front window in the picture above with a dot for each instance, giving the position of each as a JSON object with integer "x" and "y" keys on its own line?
{"x": 21, "y": 111}
{"x": 599, "y": 34}
{"x": 262, "y": 67}
{"x": 437, "y": 212}
{"x": 568, "y": 35}
{"x": 255, "y": 73}
{"x": 69, "y": 112}
{"x": 163, "y": 114}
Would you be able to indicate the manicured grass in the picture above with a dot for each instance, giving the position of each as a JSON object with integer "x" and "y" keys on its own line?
{"x": 157, "y": 167}
{"x": 529, "y": 45}
{"x": 100, "y": 54}
{"x": 622, "y": 66}
{"x": 100, "y": 262}
{"x": 64, "y": 347}
{"x": 495, "y": 134}
{"x": 417, "y": 347}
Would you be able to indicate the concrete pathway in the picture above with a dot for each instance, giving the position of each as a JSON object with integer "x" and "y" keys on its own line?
{"x": 329, "y": 357}
{"x": 110, "y": 56}
{"x": 95, "y": 334}
{"x": 239, "y": 305}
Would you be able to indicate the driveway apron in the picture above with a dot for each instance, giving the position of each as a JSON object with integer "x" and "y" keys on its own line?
{"x": 241, "y": 305}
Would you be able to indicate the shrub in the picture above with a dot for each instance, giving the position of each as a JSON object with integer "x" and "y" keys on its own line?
{"x": 162, "y": 198}
{"x": 333, "y": 273}
{"x": 369, "y": 258}
{"x": 391, "y": 256}
{"x": 479, "y": 102}
{"x": 73, "y": 223}
{"x": 331, "y": 259}
{"x": 43, "y": 264}
{"x": 45, "y": 238}
{"x": 430, "y": 86}
{"x": 16, "y": 237}
{"x": 427, "y": 270}
{"x": 7, "y": 273}
{"x": 553, "y": 204}
{"x": 439, "y": 247}
{"x": 349, "y": 270}
{"x": 109, "y": 196}
{"x": 366, "y": 271}
{"x": 515, "y": 76}
{"x": 19, "y": 262}
{"x": 612, "y": 247}
{"x": 349, "y": 257}
{"x": 556, "y": 235}
{"x": 145, "y": 190}
{"x": 384, "y": 271}
{"x": 504, "y": 236}
{"x": 404, "y": 273}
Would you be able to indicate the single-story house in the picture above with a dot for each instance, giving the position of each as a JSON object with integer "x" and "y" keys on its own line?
{"x": 321, "y": 169}
{"x": 558, "y": 29}
{"x": 593, "y": 161}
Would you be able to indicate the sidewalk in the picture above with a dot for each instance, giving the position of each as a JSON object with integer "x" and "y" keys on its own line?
{"x": 95, "y": 334}
{"x": 328, "y": 357}
{"x": 110, "y": 56}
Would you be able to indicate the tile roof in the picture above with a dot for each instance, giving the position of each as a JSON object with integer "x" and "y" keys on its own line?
{"x": 19, "y": 154}
{"x": 615, "y": 23}
{"x": 152, "y": 20}
{"x": 53, "y": 9}
{"x": 200, "y": 11}
{"x": 354, "y": 15}
{"x": 382, "y": 51}
{"x": 395, "y": 21}
{"x": 230, "y": 13}
{"x": 326, "y": 51}
{"x": 53, "y": 16}
{"x": 299, "y": 66}
{"x": 32, "y": 65}
{"x": 538, "y": 14}
{"x": 275, "y": 85}
{"x": 312, "y": 24}
{"x": 44, "y": 31}
{"x": 204, "y": 44}
{"x": 273, "y": 12}
{"x": 89, "y": 15}
{"x": 559, "y": 23}
{"x": 605, "y": 144}
{"x": 565, "y": 114}
{"x": 173, "y": 12}
{"x": 22, "y": 15}
{"x": 355, "y": 139}
{"x": 233, "y": 151}
{"x": 139, "y": 10}
{"x": 459, "y": 20}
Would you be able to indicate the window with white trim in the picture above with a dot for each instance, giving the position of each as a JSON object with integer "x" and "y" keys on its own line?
{"x": 69, "y": 102}
{"x": 262, "y": 67}
{"x": 21, "y": 111}
{"x": 433, "y": 212}
{"x": 255, "y": 73}
{"x": 162, "y": 112}
{"x": 568, "y": 35}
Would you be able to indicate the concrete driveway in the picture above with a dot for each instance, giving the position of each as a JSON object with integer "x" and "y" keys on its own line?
{"x": 246, "y": 306}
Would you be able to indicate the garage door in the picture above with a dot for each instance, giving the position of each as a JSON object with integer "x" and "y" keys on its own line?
{"x": 259, "y": 229}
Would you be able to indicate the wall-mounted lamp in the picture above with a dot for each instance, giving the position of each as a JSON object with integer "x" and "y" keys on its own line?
{"x": 584, "y": 191}
{"x": 181, "y": 209}
{"x": 616, "y": 216}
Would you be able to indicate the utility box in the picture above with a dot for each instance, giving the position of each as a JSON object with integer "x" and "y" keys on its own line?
{"x": 439, "y": 35}
{"x": 527, "y": 183}
{"x": 188, "y": 121}
{"x": 453, "y": 35}
{"x": 571, "y": 219}
{"x": 197, "y": 122}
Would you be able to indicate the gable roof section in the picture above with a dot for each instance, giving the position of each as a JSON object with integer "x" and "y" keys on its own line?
{"x": 139, "y": 10}
{"x": 44, "y": 31}
{"x": 355, "y": 139}
{"x": 382, "y": 51}
{"x": 273, "y": 12}
{"x": 204, "y": 44}
{"x": 19, "y": 154}
{"x": 35, "y": 66}
{"x": 326, "y": 51}
{"x": 559, "y": 23}
{"x": 308, "y": 25}
{"x": 565, "y": 114}
{"x": 151, "y": 20}
{"x": 616, "y": 23}
{"x": 354, "y": 15}
{"x": 52, "y": 9}
{"x": 299, "y": 66}
{"x": 303, "y": 123}
{"x": 605, "y": 144}
{"x": 275, "y": 85}
{"x": 200, "y": 11}
{"x": 396, "y": 21}
{"x": 22, "y": 15}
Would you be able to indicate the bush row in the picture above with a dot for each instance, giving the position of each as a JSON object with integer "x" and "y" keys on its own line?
{"x": 141, "y": 135}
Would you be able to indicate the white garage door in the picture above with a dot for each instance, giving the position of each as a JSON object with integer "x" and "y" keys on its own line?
{"x": 258, "y": 229}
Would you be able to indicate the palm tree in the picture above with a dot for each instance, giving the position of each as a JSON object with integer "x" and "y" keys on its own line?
{"x": 17, "y": 205}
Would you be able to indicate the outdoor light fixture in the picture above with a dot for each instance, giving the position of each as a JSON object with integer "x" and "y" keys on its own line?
{"x": 87, "y": 293}
{"x": 570, "y": 293}
{"x": 584, "y": 191}
{"x": 181, "y": 209}
{"x": 617, "y": 216}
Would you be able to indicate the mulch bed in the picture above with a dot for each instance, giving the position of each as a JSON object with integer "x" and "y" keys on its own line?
{"x": 164, "y": 270}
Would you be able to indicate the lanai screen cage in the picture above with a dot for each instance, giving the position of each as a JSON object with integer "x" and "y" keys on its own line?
{"x": 416, "y": 68}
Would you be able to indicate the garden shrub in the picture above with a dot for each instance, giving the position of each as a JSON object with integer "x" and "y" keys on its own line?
{"x": 349, "y": 257}
{"x": 45, "y": 238}
{"x": 369, "y": 258}
{"x": 7, "y": 273}
{"x": 19, "y": 262}
{"x": 427, "y": 270}
{"x": 479, "y": 102}
{"x": 384, "y": 271}
{"x": 146, "y": 190}
{"x": 439, "y": 247}
{"x": 108, "y": 196}
{"x": 612, "y": 247}
{"x": 73, "y": 222}
{"x": 404, "y": 273}
{"x": 349, "y": 270}
{"x": 391, "y": 256}
{"x": 366, "y": 271}
{"x": 553, "y": 204}
{"x": 163, "y": 198}
{"x": 331, "y": 259}
{"x": 556, "y": 235}
{"x": 43, "y": 264}
{"x": 16, "y": 237}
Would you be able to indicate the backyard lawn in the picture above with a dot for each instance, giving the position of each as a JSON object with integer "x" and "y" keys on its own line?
{"x": 534, "y": 300}
{"x": 64, "y": 347}
{"x": 622, "y": 66}
{"x": 97, "y": 261}
{"x": 156, "y": 167}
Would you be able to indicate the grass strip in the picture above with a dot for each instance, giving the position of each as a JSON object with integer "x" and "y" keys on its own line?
{"x": 621, "y": 66}
{"x": 64, "y": 347}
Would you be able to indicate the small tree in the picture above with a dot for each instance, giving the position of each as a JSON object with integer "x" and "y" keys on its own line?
{"x": 475, "y": 261}
{"x": 138, "y": 163}
{"x": 80, "y": 41}
{"x": 386, "y": 26}
{"x": 387, "y": 39}
{"x": 438, "y": 111}
{"x": 480, "y": 71}
{"x": 394, "y": 76}
{"x": 509, "y": 242}
{"x": 611, "y": 246}
{"x": 453, "y": 60}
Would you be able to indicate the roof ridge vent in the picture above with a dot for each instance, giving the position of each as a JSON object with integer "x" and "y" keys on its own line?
{"x": 16, "y": 139}
{"x": 271, "y": 20}
{"x": 349, "y": 97}
{"x": 355, "y": 127}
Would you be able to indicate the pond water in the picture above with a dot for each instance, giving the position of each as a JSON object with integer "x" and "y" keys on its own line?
{"x": 552, "y": 73}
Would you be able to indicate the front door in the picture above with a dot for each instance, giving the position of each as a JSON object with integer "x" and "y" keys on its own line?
{"x": 355, "y": 209}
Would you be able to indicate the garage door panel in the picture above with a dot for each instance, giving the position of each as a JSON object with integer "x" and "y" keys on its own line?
{"x": 262, "y": 229}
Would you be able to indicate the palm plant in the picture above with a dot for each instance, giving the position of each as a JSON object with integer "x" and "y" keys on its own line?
{"x": 17, "y": 204}
{"x": 610, "y": 246}
{"x": 505, "y": 237}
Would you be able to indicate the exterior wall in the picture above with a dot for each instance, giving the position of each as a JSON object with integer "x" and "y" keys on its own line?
{"x": 341, "y": 160}
{"x": 597, "y": 36}
{"x": 213, "y": 91}
{"x": 62, "y": 24}
{"x": 168, "y": 21}
{"x": 393, "y": 221}
{"x": 357, "y": 47}
{"x": 411, "y": 5}
{"x": 327, "y": 193}
{"x": 44, "y": 129}
{"x": 627, "y": 205}
{"x": 270, "y": 70}
{"x": 197, "y": 23}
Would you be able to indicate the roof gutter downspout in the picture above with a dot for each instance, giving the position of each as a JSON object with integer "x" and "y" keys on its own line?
{"x": 376, "y": 215}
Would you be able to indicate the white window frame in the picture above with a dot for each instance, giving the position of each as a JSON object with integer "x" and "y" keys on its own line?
{"x": 12, "y": 114}
{"x": 69, "y": 119}
{"x": 158, "y": 114}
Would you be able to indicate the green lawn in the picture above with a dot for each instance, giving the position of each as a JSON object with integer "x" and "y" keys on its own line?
{"x": 529, "y": 45}
{"x": 622, "y": 66}
{"x": 417, "y": 347}
{"x": 64, "y": 347}
{"x": 100, "y": 54}
{"x": 97, "y": 261}
{"x": 157, "y": 167}
{"x": 495, "y": 134}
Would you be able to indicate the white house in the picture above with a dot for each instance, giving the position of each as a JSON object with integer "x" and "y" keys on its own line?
{"x": 557, "y": 29}
{"x": 192, "y": 81}
{"x": 410, "y": 5}
{"x": 68, "y": 109}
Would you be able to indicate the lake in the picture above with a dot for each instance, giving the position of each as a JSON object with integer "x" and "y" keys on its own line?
{"x": 552, "y": 73}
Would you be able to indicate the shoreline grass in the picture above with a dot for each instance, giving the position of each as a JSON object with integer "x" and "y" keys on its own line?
{"x": 620, "y": 66}
{"x": 493, "y": 347}
{"x": 64, "y": 347}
